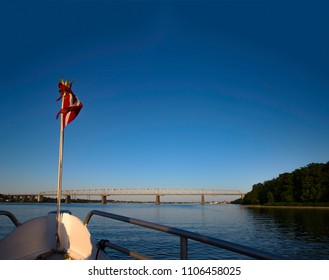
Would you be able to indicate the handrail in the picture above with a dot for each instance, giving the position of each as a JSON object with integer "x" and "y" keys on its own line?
{"x": 131, "y": 253}
{"x": 185, "y": 235}
{"x": 10, "y": 216}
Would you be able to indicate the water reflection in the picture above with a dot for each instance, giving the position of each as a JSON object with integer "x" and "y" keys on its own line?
{"x": 296, "y": 228}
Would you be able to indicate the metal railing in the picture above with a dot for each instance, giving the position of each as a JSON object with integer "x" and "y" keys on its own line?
{"x": 10, "y": 216}
{"x": 184, "y": 236}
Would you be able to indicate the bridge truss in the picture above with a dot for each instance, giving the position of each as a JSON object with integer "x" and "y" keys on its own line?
{"x": 105, "y": 192}
{"x": 143, "y": 191}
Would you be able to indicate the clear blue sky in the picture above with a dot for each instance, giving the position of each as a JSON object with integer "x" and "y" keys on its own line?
{"x": 220, "y": 94}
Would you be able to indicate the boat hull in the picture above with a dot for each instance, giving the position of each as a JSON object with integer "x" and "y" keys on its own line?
{"x": 36, "y": 239}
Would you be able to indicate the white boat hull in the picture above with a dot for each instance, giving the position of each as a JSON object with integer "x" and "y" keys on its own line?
{"x": 36, "y": 239}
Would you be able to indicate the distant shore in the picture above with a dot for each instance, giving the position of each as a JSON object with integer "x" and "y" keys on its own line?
{"x": 287, "y": 206}
{"x": 112, "y": 202}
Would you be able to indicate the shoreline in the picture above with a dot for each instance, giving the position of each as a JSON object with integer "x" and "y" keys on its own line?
{"x": 287, "y": 206}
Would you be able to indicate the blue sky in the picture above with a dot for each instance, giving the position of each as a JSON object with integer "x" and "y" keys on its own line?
{"x": 213, "y": 94}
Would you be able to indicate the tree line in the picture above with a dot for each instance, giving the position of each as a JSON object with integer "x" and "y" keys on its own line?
{"x": 308, "y": 185}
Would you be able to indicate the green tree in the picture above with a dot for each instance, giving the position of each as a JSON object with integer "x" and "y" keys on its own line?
{"x": 270, "y": 197}
{"x": 306, "y": 184}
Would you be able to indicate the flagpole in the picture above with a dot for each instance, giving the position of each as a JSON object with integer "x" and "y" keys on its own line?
{"x": 70, "y": 108}
{"x": 60, "y": 172}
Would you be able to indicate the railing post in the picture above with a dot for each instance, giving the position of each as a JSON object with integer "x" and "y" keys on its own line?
{"x": 11, "y": 217}
{"x": 183, "y": 248}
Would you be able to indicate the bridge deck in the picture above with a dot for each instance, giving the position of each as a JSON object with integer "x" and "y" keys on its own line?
{"x": 157, "y": 192}
{"x": 145, "y": 191}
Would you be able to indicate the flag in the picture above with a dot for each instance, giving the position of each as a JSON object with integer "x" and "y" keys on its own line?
{"x": 71, "y": 105}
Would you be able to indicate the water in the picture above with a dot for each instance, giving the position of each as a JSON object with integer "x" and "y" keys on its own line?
{"x": 294, "y": 233}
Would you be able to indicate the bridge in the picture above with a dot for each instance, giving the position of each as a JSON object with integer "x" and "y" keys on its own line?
{"x": 157, "y": 192}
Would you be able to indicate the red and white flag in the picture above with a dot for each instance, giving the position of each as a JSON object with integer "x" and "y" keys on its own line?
{"x": 71, "y": 105}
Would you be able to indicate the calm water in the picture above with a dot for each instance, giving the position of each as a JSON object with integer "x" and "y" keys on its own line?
{"x": 296, "y": 233}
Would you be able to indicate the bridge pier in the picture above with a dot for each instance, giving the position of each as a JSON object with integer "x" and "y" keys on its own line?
{"x": 103, "y": 199}
{"x": 157, "y": 199}
{"x": 68, "y": 199}
{"x": 40, "y": 198}
{"x": 202, "y": 199}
